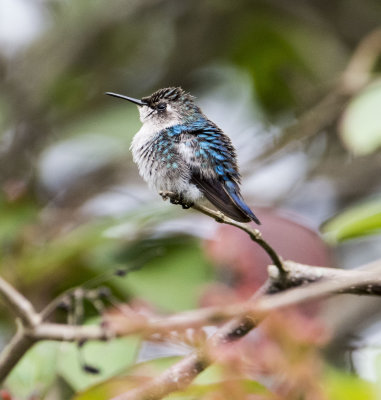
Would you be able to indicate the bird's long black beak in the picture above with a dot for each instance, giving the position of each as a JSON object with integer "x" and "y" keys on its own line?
{"x": 131, "y": 99}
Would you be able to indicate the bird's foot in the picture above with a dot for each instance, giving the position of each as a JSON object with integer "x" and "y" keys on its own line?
{"x": 165, "y": 194}
{"x": 185, "y": 205}
{"x": 176, "y": 198}
{"x": 179, "y": 199}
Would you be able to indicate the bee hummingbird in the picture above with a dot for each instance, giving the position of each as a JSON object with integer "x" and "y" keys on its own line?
{"x": 179, "y": 150}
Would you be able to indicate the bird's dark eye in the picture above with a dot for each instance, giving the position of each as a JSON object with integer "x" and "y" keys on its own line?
{"x": 161, "y": 106}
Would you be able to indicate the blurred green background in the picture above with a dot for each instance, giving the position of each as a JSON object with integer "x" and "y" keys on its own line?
{"x": 73, "y": 209}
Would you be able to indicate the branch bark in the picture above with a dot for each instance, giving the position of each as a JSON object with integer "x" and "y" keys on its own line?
{"x": 181, "y": 374}
{"x": 254, "y": 234}
{"x": 15, "y": 349}
{"x": 18, "y": 304}
{"x": 242, "y": 317}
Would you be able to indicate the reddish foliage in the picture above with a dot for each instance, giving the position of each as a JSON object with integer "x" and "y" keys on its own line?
{"x": 233, "y": 251}
{"x": 282, "y": 354}
{"x": 5, "y": 395}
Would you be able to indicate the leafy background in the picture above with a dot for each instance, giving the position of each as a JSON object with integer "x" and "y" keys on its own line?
{"x": 73, "y": 209}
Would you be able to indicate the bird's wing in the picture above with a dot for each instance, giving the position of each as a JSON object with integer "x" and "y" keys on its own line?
{"x": 228, "y": 201}
{"x": 216, "y": 172}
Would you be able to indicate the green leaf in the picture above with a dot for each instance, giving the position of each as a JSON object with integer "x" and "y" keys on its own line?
{"x": 107, "y": 390}
{"x": 109, "y": 357}
{"x": 172, "y": 279}
{"x": 212, "y": 380}
{"x": 209, "y": 381}
{"x": 360, "y": 220}
{"x": 15, "y": 216}
{"x": 343, "y": 386}
{"x": 360, "y": 127}
{"x": 118, "y": 121}
{"x": 196, "y": 392}
{"x": 137, "y": 374}
{"x": 47, "y": 257}
{"x": 35, "y": 372}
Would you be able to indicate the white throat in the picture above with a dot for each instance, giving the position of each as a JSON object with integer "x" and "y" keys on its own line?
{"x": 152, "y": 125}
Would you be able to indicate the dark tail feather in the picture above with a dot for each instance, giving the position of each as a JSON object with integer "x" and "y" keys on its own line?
{"x": 225, "y": 200}
{"x": 244, "y": 207}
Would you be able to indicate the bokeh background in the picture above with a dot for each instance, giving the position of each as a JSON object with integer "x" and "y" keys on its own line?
{"x": 73, "y": 210}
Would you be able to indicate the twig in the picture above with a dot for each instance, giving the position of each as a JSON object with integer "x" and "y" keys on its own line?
{"x": 359, "y": 69}
{"x": 53, "y": 305}
{"x": 18, "y": 304}
{"x": 14, "y": 350}
{"x": 254, "y": 234}
{"x": 364, "y": 280}
{"x": 181, "y": 374}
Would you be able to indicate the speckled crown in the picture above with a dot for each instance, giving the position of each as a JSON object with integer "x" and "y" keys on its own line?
{"x": 175, "y": 94}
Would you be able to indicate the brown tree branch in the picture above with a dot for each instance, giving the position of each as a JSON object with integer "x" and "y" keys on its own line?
{"x": 254, "y": 234}
{"x": 18, "y": 304}
{"x": 181, "y": 374}
{"x": 14, "y": 350}
{"x": 365, "y": 280}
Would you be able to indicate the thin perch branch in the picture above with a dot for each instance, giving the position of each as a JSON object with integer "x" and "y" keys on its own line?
{"x": 18, "y": 304}
{"x": 14, "y": 350}
{"x": 254, "y": 234}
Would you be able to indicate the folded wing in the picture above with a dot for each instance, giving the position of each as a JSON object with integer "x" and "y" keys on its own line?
{"x": 225, "y": 196}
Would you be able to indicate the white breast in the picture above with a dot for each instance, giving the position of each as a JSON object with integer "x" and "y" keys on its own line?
{"x": 187, "y": 151}
{"x": 152, "y": 125}
{"x": 150, "y": 169}
{"x": 145, "y": 134}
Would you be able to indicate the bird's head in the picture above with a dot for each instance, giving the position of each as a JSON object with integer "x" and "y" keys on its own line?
{"x": 167, "y": 106}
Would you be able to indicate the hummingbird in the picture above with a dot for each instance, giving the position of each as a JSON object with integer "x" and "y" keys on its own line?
{"x": 179, "y": 150}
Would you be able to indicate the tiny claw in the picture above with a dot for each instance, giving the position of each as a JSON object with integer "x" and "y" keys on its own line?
{"x": 163, "y": 195}
{"x": 166, "y": 195}
{"x": 219, "y": 217}
{"x": 174, "y": 200}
